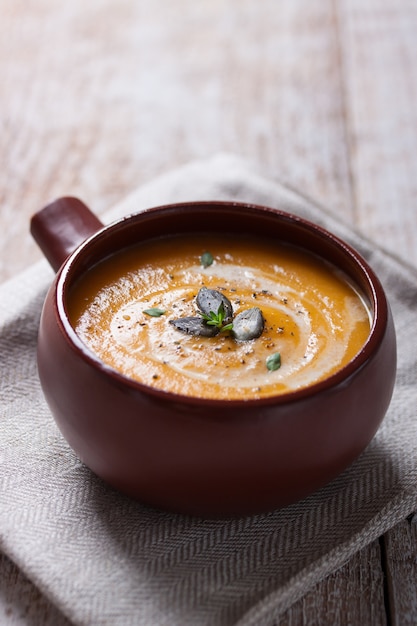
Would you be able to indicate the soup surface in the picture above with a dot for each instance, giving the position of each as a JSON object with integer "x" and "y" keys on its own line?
{"x": 315, "y": 321}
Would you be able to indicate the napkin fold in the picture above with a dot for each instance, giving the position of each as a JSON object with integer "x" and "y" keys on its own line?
{"x": 104, "y": 559}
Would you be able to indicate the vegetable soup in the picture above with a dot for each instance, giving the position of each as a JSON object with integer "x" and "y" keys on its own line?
{"x": 230, "y": 317}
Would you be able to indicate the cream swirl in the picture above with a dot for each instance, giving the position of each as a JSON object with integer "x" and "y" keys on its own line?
{"x": 309, "y": 332}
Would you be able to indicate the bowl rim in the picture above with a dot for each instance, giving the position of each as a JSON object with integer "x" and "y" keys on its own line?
{"x": 377, "y": 296}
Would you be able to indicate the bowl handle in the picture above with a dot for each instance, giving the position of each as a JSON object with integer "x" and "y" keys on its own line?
{"x": 61, "y": 226}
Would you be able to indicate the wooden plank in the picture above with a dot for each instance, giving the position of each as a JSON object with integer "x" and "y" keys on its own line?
{"x": 379, "y": 52}
{"x": 401, "y": 566}
{"x": 352, "y": 595}
{"x": 95, "y": 110}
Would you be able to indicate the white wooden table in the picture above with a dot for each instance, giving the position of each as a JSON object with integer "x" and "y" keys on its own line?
{"x": 98, "y": 97}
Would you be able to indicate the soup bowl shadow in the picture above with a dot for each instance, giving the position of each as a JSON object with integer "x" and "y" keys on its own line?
{"x": 205, "y": 457}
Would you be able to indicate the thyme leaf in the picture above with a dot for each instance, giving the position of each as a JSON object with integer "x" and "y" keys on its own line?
{"x": 273, "y": 362}
{"x": 154, "y": 312}
{"x": 206, "y": 259}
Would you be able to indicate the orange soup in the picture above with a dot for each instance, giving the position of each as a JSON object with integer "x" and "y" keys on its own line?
{"x": 127, "y": 310}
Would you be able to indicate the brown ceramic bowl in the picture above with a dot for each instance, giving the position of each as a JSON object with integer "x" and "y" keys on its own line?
{"x": 199, "y": 456}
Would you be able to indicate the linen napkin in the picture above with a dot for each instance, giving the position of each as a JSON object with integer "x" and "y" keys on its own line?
{"x": 104, "y": 559}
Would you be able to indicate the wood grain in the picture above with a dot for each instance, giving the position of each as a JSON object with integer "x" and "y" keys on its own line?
{"x": 99, "y": 101}
{"x": 98, "y": 97}
{"x": 379, "y": 49}
{"x": 352, "y": 595}
{"x": 401, "y": 567}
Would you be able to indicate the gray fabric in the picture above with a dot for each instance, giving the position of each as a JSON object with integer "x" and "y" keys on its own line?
{"x": 104, "y": 559}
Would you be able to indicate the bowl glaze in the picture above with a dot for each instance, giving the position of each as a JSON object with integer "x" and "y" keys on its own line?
{"x": 210, "y": 458}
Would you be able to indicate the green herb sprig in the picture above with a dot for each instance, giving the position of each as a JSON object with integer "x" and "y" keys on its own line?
{"x": 217, "y": 319}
